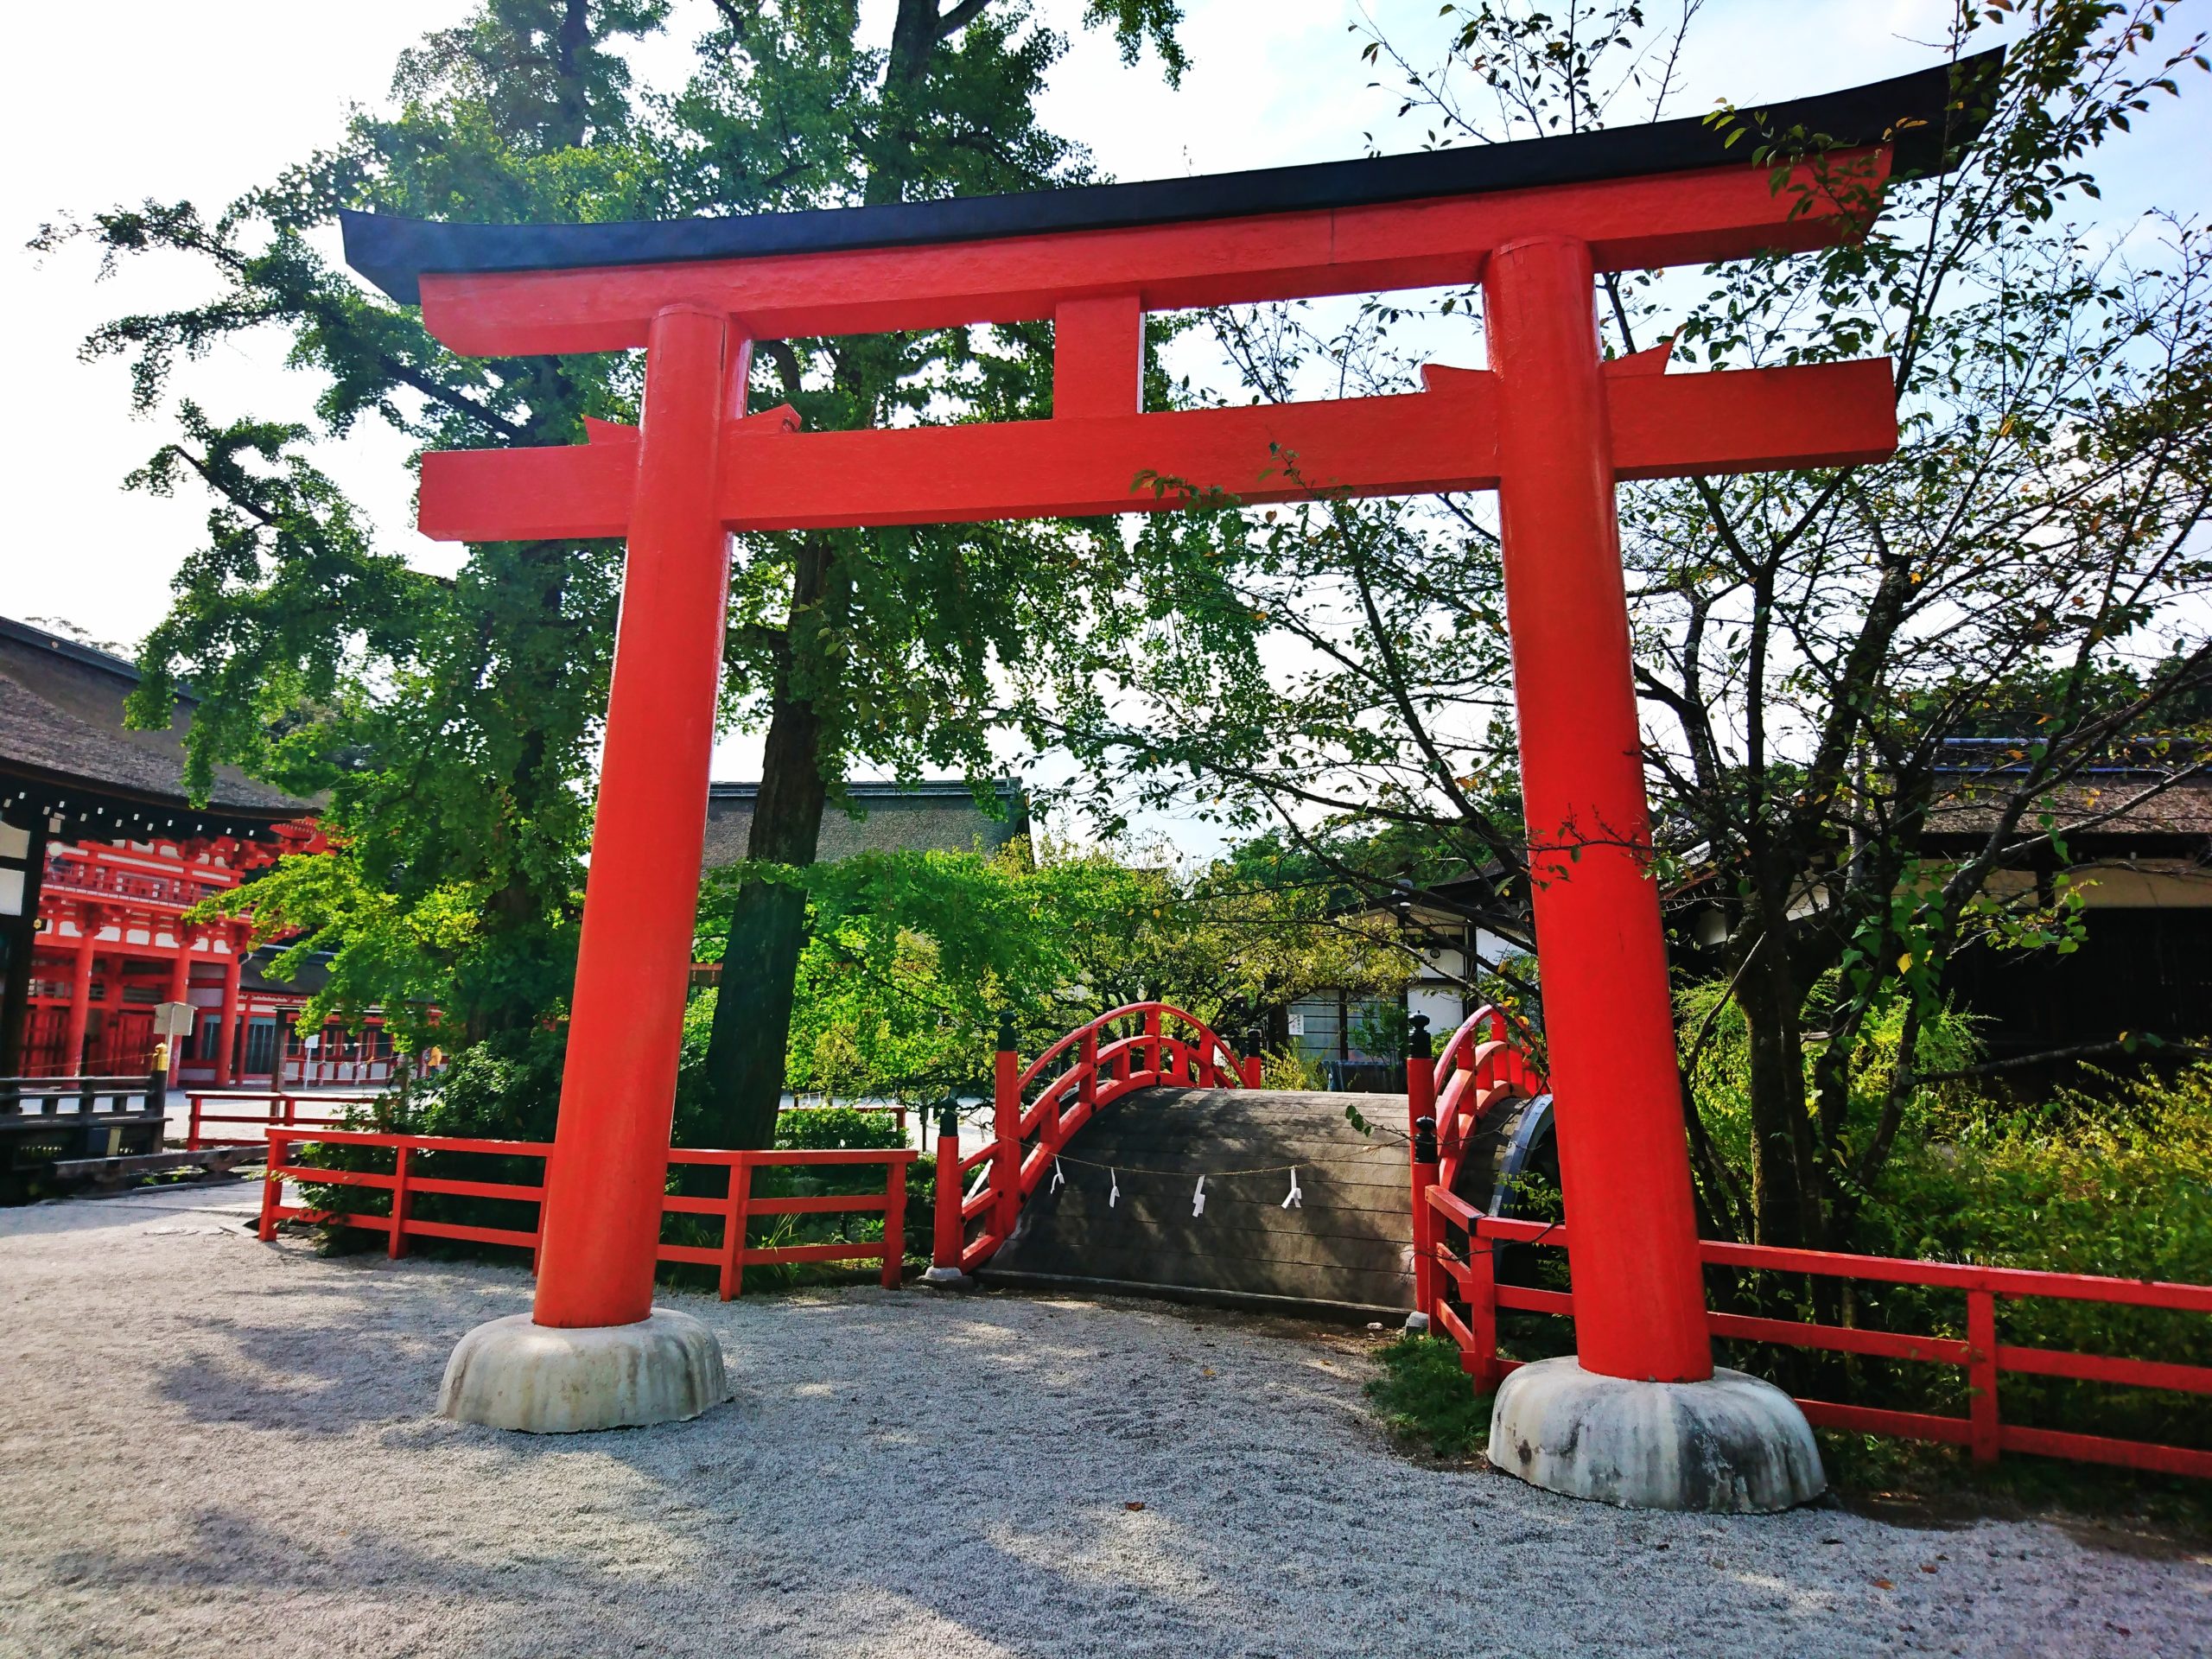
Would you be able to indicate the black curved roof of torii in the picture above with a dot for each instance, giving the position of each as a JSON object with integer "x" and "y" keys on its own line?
{"x": 1928, "y": 116}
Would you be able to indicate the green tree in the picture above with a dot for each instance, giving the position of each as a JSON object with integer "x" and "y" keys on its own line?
{"x": 448, "y": 724}
{"x": 451, "y": 725}
{"x": 913, "y": 959}
{"x": 880, "y": 646}
{"x": 1809, "y": 644}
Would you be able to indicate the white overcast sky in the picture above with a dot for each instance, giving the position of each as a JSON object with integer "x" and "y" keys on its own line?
{"x": 140, "y": 99}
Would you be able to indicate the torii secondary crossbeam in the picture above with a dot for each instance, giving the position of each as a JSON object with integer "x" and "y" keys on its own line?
{"x": 1548, "y": 424}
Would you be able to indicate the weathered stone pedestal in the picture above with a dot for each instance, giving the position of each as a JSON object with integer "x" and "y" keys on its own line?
{"x": 1731, "y": 1445}
{"x": 542, "y": 1379}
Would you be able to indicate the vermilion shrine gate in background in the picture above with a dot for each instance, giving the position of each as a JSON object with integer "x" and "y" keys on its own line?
{"x": 1548, "y": 423}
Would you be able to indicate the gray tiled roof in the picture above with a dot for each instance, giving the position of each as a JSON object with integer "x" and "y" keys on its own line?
{"x": 938, "y": 815}
{"x": 61, "y": 718}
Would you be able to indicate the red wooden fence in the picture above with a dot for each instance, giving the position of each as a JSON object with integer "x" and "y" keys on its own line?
{"x": 1473, "y": 1325}
{"x": 735, "y": 1206}
{"x": 274, "y": 1108}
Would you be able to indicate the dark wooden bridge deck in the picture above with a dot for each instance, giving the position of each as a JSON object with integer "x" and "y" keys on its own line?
{"x": 1346, "y": 1252}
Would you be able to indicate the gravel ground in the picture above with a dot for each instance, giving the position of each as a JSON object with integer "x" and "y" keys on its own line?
{"x": 216, "y": 1446}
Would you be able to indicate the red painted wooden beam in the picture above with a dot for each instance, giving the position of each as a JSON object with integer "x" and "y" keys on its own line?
{"x": 1631, "y": 224}
{"x": 772, "y": 478}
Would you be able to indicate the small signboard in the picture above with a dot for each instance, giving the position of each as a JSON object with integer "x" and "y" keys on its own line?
{"x": 172, "y": 1019}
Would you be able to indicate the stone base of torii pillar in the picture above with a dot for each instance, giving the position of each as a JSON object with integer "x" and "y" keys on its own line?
{"x": 1728, "y": 1444}
{"x": 543, "y": 1379}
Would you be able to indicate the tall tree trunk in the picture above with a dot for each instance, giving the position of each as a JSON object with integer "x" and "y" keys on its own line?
{"x": 1785, "y": 1204}
{"x": 767, "y": 927}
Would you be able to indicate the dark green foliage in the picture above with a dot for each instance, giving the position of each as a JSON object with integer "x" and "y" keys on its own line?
{"x": 1425, "y": 1400}
{"x": 507, "y": 1087}
{"x": 2118, "y": 1186}
{"x": 452, "y": 724}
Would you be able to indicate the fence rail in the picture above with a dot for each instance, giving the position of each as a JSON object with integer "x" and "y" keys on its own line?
{"x": 734, "y": 1206}
{"x": 279, "y": 1108}
{"x": 1468, "y": 1298}
{"x": 82, "y": 1097}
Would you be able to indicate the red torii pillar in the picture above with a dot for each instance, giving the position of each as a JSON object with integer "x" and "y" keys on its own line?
{"x": 90, "y": 920}
{"x": 602, "y": 1209}
{"x": 1609, "y": 1023}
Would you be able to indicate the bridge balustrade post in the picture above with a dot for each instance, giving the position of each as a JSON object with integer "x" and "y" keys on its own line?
{"x": 1087, "y": 1087}
{"x": 1427, "y": 1226}
{"x": 1152, "y": 1042}
{"x": 1420, "y": 1104}
{"x": 950, "y": 1234}
{"x": 1255, "y": 1043}
{"x": 1006, "y": 1160}
{"x": 1420, "y": 1073}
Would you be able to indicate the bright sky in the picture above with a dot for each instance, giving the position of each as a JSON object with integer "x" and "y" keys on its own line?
{"x": 156, "y": 99}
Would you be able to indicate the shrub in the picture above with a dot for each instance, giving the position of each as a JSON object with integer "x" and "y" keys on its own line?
{"x": 1425, "y": 1399}
{"x": 2118, "y": 1184}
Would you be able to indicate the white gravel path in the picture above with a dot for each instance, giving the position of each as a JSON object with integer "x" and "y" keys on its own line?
{"x": 214, "y": 1447}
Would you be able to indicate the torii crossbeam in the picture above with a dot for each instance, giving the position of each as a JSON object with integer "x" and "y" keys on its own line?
{"x": 1548, "y": 425}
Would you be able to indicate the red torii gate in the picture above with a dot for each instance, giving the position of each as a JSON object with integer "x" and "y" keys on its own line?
{"x": 1548, "y": 425}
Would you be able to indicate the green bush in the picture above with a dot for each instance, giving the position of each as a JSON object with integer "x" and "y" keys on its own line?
{"x": 1425, "y": 1399}
{"x": 2117, "y": 1184}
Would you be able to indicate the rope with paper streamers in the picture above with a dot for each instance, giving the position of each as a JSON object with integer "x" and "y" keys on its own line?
{"x": 1294, "y": 1199}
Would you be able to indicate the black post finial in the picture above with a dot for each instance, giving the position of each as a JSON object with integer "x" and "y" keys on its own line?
{"x": 1006, "y": 1031}
{"x": 1417, "y": 1040}
{"x": 947, "y": 1117}
{"x": 1425, "y": 1140}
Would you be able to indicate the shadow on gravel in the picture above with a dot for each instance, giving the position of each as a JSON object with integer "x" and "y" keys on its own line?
{"x": 225, "y": 1548}
{"x": 322, "y": 1359}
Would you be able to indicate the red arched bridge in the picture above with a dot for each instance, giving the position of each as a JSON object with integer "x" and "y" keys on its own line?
{"x": 1140, "y": 1153}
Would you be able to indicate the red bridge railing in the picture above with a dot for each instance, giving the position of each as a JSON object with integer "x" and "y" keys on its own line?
{"x": 1035, "y": 1110}
{"x": 1479, "y": 1065}
{"x": 735, "y": 1206}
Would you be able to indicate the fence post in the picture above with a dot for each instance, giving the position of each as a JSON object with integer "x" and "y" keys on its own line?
{"x": 1421, "y": 1102}
{"x": 1981, "y": 1374}
{"x": 1481, "y": 1310}
{"x": 1425, "y": 1226}
{"x": 1255, "y": 1041}
{"x": 894, "y": 1223}
{"x": 737, "y": 1203}
{"x": 1086, "y": 1088}
{"x": 1006, "y": 1125}
{"x": 397, "y": 1247}
{"x": 158, "y": 1090}
{"x": 192, "y": 1125}
{"x": 272, "y": 1186}
{"x": 951, "y": 1231}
